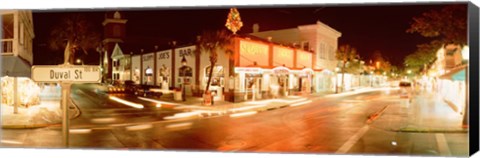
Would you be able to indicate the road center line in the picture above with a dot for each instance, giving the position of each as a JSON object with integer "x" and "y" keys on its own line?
{"x": 352, "y": 140}
{"x": 442, "y": 144}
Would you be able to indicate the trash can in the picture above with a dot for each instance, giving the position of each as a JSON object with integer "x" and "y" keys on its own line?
{"x": 177, "y": 95}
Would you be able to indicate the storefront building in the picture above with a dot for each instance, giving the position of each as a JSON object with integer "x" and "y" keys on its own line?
{"x": 318, "y": 38}
{"x": 302, "y": 61}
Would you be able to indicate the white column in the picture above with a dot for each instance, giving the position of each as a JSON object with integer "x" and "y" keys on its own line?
{"x": 16, "y": 100}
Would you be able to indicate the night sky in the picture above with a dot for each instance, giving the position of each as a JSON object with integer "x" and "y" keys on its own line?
{"x": 368, "y": 28}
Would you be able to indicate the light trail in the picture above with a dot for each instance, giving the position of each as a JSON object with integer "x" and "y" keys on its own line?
{"x": 80, "y": 131}
{"x": 131, "y": 104}
{"x": 139, "y": 127}
{"x": 301, "y": 103}
{"x": 10, "y": 141}
{"x": 157, "y": 101}
{"x": 248, "y": 113}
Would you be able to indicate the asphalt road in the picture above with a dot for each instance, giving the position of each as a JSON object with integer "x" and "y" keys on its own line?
{"x": 328, "y": 125}
{"x": 98, "y": 110}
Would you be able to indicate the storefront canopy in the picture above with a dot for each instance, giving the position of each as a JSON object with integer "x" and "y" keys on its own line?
{"x": 457, "y": 74}
{"x": 15, "y": 67}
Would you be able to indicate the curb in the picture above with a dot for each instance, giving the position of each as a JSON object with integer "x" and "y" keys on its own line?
{"x": 419, "y": 130}
{"x": 26, "y": 126}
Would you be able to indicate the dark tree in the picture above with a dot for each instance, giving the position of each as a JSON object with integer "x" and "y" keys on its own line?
{"x": 74, "y": 34}
{"x": 448, "y": 25}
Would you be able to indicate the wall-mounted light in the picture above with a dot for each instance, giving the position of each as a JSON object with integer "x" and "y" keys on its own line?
{"x": 184, "y": 61}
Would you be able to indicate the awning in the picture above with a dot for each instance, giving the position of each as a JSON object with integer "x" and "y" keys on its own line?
{"x": 15, "y": 67}
{"x": 456, "y": 74}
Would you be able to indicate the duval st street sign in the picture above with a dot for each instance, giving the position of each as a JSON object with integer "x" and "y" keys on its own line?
{"x": 66, "y": 73}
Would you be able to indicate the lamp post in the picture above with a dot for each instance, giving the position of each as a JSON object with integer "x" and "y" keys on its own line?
{"x": 184, "y": 63}
{"x": 336, "y": 79}
{"x": 100, "y": 49}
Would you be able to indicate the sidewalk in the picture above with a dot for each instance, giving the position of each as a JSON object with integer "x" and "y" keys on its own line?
{"x": 426, "y": 113}
{"x": 36, "y": 116}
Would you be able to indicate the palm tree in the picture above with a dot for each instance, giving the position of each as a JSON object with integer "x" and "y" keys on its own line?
{"x": 345, "y": 53}
{"x": 75, "y": 34}
{"x": 210, "y": 42}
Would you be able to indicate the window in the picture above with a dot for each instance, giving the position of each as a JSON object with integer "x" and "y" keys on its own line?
{"x": 116, "y": 30}
{"x": 306, "y": 46}
{"x": 22, "y": 33}
{"x": 7, "y": 26}
{"x": 7, "y": 33}
{"x": 323, "y": 51}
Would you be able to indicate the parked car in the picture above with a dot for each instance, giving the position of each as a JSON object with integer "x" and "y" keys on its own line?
{"x": 144, "y": 90}
{"x": 406, "y": 89}
{"x": 130, "y": 87}
{"x": 115, "y": 89}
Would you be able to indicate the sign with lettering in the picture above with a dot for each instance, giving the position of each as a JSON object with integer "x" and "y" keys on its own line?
{"x": 254, "y": 70}
{"x": 281, "y": 70}
{"x": 56, "y": 73}
{"x": 163, "y": 55}
{"x": 283, "y": 56}
{"x": 304, "y": 59}
{"x": 147, "y": 57}
{"x": 252, "y": 52}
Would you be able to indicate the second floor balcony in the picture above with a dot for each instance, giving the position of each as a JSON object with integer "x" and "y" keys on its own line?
{"x": 7, "y": 46}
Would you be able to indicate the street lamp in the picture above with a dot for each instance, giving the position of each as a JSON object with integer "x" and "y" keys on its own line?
{"x": 78, "y": 61}
{"x": 184, "y": 63}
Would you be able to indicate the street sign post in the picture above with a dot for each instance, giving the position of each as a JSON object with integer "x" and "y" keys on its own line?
{"x": 66, "y": 74}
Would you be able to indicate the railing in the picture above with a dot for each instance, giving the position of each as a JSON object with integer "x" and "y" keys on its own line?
{"x": 7, "y": 46}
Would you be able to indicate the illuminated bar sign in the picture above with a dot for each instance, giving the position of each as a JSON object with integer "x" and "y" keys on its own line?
{"x": 282, "y": 55}
{"x": 304, "y": 59}
{"x": 251, "y": 52}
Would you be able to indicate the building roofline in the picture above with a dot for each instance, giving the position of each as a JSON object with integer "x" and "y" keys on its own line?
{"x": 339, "y": 34}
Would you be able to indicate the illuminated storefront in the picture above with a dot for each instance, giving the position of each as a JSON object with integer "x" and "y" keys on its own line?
{"x": 252, "y": 70}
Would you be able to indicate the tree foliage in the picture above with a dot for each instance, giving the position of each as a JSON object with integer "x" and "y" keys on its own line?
{"x": 384, "y": 64}
{"x": 448, "y": 25}
{"x": 424, "y": 55}
{"x": 355, "y": 67}
{"x": 345, "y": 53}
{"x": 210, "y": 42}
{"x": 76, "y": 32}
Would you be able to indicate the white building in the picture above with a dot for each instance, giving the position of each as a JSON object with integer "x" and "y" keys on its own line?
{"x": 318, "y": 38}
{"x": 17, "y": 35}
{"x": 17, "y": 57}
